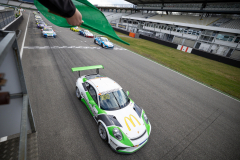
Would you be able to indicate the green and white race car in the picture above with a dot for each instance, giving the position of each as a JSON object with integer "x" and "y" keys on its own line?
{"x": 121, "y": 123}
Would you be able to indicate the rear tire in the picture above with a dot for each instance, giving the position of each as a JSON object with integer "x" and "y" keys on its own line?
{"x": 102, "y": 132}
{"x": 78, "y": 95}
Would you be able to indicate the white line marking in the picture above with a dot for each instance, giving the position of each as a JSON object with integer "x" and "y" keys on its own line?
{"x": 60, "y": 47}
{"x": 3, "y": 139}
{"x": 186, "y": 77}
{"x": 21, "y": 52}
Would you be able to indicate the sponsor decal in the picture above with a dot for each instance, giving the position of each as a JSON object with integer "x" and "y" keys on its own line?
{"x": 140, "y": 143}
{"x": 105, "y": 96}
{"x": 122, "y": 26}
{"x": 130, "y": 119}
{"x": 113, "y": 24}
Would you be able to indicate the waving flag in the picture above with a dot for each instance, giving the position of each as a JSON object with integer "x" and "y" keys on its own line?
{"x": 94, "y": 19}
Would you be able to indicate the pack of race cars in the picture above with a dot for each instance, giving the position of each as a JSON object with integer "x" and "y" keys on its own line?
{"x": 47, "y": 31}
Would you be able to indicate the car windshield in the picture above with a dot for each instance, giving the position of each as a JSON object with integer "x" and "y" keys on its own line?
{"x": 87, "y": 31}
{"x": 104, "y": 39}
{"x": 114, "y": 100}
{"x": 47, "y": 29}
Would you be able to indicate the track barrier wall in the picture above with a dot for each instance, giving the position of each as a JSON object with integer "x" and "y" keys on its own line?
{"x": 13, "y": 26}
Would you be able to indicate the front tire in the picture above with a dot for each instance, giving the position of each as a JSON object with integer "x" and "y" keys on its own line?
{"x": 102, "y": 132}
{"x": 95, "y": 41}
{"x": 78, "y": 93}
{"x": 102, "y": 45}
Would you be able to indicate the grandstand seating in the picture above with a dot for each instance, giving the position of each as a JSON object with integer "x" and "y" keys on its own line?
{"x": 233, "y": 24}
{"x": 113, "y": 16}
{"x": 140, "y": 15}
{"x": 186, "y": 19}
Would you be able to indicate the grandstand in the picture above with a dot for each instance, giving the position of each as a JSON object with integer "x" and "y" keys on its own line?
{"x": 186, "y": 19}
{"x": 212, "y": 27}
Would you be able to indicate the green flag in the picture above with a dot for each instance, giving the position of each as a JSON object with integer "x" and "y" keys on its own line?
{"x": 94, "y": 19}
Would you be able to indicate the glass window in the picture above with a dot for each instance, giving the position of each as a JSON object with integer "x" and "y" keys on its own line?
{"x": 178, "y": 29}
{"x": 190, "y": 31}
{"x": 237, "y": 40}
{"x": 185, "y": 31}
{"x": 201, "y": 37}
{"x": 214, "y": 33}
{"x": 114, "y": 100}
{"x": 175, "y": 29}
{"x": 230, "y": 38}
{"x": 208, "y": 33}
{"x": 211, "y": 39}
{"x": 220, "y": 36}
{"x": 93, "y": 93}
{"x": 198, "y": 33}
{"x": 206, "y": 38}
{"x": 165, "y": 27}
{"x": 108, "y": 102}
{"x": 203, "y": 32}
{"x": 225, "y": 38}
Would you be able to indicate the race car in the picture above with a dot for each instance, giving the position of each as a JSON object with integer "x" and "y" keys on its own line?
{"x": 75, "y": 29}
{"x": 38, "y": 19}
{"x": 103, "y": 41}
{"x": 48, "y": 32}
{"x": 41, "y": 25}
{"x": 86, "y": 33}
{"x": 41, "y": 21}
{"x": 121, "y": 123}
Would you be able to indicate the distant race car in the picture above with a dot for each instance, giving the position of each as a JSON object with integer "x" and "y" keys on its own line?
{"x": 41, "y": 25}
{"x": 48, "y": 32}
{"x": 38, "y": 19}
{"x": 75, "y": 29}
{"x": 121, "y": 123}
{"x": 86, "y": 33}
{"x": 104, "y": 42}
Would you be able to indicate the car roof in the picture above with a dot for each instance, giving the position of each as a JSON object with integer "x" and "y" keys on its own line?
{"x": 105, "y": 85}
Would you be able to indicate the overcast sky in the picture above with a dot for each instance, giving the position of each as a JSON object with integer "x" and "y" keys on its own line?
{"x": 108, "y": 2}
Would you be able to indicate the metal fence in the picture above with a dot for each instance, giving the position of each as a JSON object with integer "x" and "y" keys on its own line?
{"x": 6, "y": 17}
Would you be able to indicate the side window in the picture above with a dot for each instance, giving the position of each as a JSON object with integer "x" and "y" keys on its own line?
{"x": 93, "y": 93}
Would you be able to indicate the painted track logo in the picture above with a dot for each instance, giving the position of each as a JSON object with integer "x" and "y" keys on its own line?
{"x": 130, "y": 119}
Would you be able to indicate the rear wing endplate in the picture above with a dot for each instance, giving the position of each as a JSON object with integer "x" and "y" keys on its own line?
{"x": 87, "y": 68}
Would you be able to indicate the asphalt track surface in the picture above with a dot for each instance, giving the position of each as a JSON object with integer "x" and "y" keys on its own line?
{"x": 189, "y": 120}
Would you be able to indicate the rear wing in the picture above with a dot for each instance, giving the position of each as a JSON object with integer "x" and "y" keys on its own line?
{"x": 87, "y": 68}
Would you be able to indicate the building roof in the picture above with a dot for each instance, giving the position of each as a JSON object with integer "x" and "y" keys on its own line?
{"x": 227, "y": 30}
{"x": 136, "y": 2}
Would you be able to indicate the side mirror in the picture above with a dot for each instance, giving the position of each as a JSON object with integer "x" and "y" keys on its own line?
{"x": 127, "y": 93}
{"x": 91, "y": 102}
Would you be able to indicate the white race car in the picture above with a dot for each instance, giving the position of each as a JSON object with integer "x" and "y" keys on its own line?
{"x": 48, "y": 32}
{"x": 121, "y": 123}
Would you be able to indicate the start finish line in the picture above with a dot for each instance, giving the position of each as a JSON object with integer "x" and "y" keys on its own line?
{"x": 65, "y": 47}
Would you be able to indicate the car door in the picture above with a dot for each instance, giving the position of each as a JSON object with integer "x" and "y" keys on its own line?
{"x": 93, "y": 98}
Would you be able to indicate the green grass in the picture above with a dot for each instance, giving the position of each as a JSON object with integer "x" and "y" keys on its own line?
{"x": 218, "y": 75}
